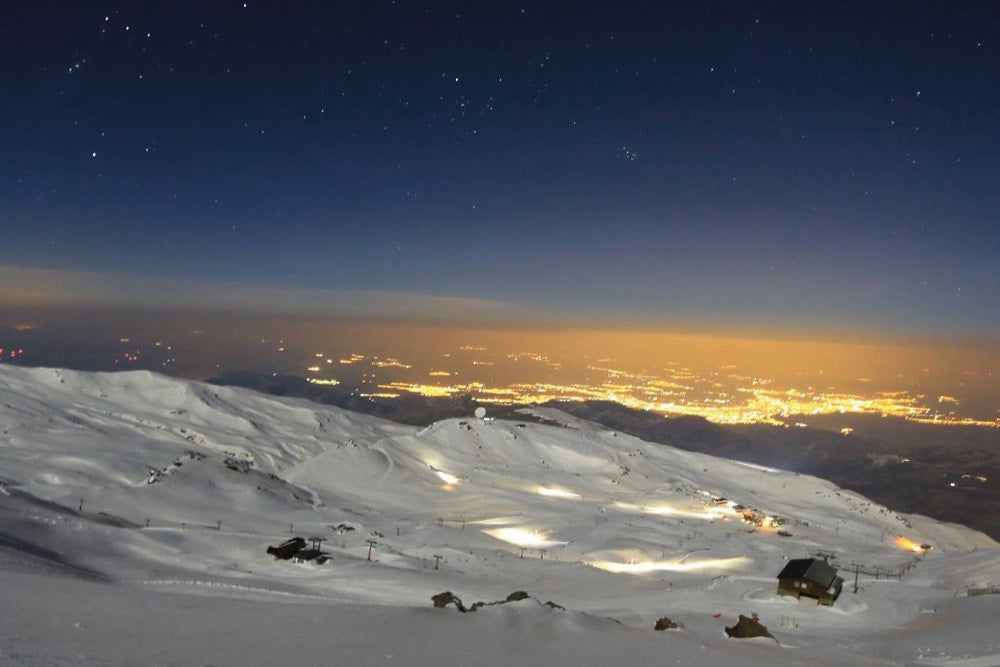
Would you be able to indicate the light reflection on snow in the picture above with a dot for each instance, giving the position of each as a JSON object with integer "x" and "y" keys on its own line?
{"x": 523, "y": 538}
{"x": 497, "y": 521}
{"x": 685, "y": 565}
{"x": 551, "y": 492}
{"x": 448, "y": 477}
{"x": 708, "y": 514}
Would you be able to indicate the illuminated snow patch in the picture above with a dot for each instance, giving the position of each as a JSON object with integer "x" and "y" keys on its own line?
{"x": 523, "y": 538}
{"x": 685, "y": 565}
{"x": 550, "y": 492}
{"x": 447, "y": 477}
{"x": 708, "y": 514}
{"x": 756, "y": 466}
{"x": 497, "y": 521}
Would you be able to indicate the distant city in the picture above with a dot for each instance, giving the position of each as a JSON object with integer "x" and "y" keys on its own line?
{"x": 722, "y": 396}
{"x": 388, "y": 364}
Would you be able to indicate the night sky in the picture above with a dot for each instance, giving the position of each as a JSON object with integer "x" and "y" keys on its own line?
{"x": 806, "y": 165}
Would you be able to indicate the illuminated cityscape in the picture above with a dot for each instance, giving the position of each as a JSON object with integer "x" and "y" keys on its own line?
{"x": 722, "y": 396}
{"x": 501, "y": 374}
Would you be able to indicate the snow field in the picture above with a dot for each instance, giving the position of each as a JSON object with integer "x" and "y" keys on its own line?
{"x": 174, "y": 489}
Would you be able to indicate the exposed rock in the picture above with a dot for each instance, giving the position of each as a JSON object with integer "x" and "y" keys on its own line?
{"x": 442, "y": 600}
{"x": 664, "y": 624}
{"x": 747, "y": 627}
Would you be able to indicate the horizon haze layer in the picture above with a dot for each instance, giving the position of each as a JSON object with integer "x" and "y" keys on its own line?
{"x": 685, "y": 372}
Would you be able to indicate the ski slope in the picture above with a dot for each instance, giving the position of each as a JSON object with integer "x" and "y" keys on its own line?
{"x": 135, "y": 511}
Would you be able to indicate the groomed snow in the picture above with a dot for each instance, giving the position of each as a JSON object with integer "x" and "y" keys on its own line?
{"x": 135, "y": 511}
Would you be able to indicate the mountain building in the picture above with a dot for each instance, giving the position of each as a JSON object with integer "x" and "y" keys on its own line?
{"x": 811, "y": 577}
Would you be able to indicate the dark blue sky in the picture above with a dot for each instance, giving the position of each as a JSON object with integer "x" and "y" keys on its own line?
{"x": 804, "y": 164}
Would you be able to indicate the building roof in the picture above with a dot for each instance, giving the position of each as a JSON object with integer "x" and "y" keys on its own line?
{"x": 810, "y": 569}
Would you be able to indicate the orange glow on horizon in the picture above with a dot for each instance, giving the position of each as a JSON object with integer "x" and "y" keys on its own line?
{"x": 723, "y": 378}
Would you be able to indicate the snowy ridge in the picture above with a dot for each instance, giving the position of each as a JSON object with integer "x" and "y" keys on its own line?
{"x": 164, "y": 484}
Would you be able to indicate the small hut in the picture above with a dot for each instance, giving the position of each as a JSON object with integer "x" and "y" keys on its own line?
{"x": 288, "y": 548}
{"x": 810, "y": 577}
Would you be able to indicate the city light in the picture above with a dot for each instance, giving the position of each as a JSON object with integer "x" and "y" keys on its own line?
{"x": 726, "y": 399}
{"x": 321, "y": 381}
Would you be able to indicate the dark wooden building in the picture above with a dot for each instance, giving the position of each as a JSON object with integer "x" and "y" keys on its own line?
{"x": 810, "y": 577}
{"x": 288, "y": 548}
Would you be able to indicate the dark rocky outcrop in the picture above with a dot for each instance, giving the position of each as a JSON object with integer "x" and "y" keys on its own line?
{"x": 442, "y": 600}
{"x": 664, "y": 624}
{"x": 446, "y": 598}
{"x": 747, "y": 628}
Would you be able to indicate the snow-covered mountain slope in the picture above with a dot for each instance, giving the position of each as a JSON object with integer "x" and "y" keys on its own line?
{"x": 158, "y": 484}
